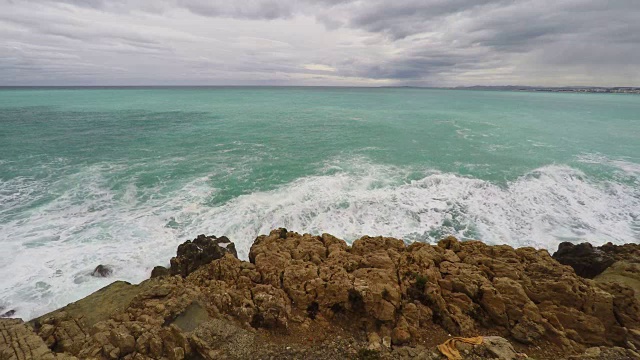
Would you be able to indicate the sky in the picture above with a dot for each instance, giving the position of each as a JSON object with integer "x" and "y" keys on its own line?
{"x": 321, "y": 42}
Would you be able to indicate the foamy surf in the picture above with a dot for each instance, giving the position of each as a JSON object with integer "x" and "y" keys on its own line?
{"x": 50, "y": 249}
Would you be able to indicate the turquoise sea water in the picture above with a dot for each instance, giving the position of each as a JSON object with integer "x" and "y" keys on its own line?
{"x": 122, "y": 176}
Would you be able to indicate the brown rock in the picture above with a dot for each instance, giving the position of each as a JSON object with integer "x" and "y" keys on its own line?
{"x": 123, "y": 340}
{"x": 623, "y": 272}
{"x": 155, "y": 347}
{"x": 303, "y": 290}
{"x": 98, "y": 306}
{"x": 400, "y": 335}
{"x": 500, "y": 348}
{"x": 603, "y": 353}
{"x": 159, "y": 271}
{"x": 176, "y": 353}
{"x": 272, "y": 307}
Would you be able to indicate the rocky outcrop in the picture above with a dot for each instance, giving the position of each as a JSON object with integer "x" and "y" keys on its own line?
{"x": 616, "y": 270}
{"x": 100, "y": 305}
{"x": 589, "y": 261}
{"x": 4, "y": 313}
{"x": 586, "y": 260}
{"x": 625, "y": 252}
{"x": 463, "y": 287}
{"x": 622, "y": 272}
{"x": 102, "y": 271}
{"x": 200, "y": 251}
{"x": 304, "y": 296}
{"x": 19, "y": 342}
{"x": 159, "y": 271}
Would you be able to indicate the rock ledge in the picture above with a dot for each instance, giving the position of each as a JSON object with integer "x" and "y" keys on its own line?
{"x": 315, "y": 297}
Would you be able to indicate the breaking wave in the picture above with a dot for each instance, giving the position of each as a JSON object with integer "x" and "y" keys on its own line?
{"x": 73, "y": 224}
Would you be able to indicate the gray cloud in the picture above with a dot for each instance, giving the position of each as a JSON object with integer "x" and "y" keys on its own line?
{"x": 332, "y": 42}
{"x": 405, "y": 18}
{"x": 260, "y": 10}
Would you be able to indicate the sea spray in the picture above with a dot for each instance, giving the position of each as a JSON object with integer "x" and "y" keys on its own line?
{"x": 134, "y": 231}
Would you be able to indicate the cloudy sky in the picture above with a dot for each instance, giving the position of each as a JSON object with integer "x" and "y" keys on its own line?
{"x": 321, "y": 42}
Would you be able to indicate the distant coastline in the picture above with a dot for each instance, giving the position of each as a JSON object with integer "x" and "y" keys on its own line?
{"x": 569, "y": 89}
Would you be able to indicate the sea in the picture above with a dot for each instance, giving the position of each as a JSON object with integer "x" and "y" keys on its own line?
{"x": 122, "y": 176}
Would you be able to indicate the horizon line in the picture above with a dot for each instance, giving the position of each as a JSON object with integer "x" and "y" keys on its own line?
{"x": 327, "y": 86}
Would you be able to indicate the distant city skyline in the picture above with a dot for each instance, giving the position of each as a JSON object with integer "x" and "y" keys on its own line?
{"x": 429, "y": 43}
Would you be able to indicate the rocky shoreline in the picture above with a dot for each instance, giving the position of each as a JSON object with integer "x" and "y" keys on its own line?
{"x": 315, "y": 297}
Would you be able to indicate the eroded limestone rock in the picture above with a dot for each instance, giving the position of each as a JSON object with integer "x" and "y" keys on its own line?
{"x": 19, "y": 342}
{"x": 380, "y": 290}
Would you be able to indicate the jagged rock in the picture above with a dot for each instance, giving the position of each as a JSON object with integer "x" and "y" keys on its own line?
{"x": 19, "y": 342}
{"x": 500, "y": 348}
{"x": 623, "y": 272}
{"x": 375, "y": 342}
{"x": 628, "y": 252}
{"x": 603, "y": 353}
{"x": 122, "y": 340}
{"x": 380, "y": 293}
{"x": 200, "y": 251}
{"x": 62, "y": 332}
{"x": 586, "y": 260}
{"x": 7, "y": 314}
{"x": 589, "y": 261}
{"x": 159, "y": 271}
{"x": 102, "y": 271}
{"x": 400, "y": 336}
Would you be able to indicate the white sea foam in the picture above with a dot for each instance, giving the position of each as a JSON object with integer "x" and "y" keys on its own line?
{"x": 49, "y": 250}
{"x": 543, "y": 208}
{"x": 628, "y": 167}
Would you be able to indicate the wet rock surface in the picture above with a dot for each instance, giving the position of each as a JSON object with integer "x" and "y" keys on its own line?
{"x": 102, "y": 271}
{"x": 586, "y": 260}
{"x": 4, "y": 313}
{"x": 197, "y": 252}
{"x": 625, "y": 252}
{"x": 315, "y": 297}
{"x": 589, "y": 261}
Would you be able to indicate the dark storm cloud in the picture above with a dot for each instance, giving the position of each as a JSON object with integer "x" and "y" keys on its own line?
{"x": 419, "y": 42}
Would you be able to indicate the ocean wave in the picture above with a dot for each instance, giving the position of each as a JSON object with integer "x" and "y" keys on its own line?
{"x": 92, "y": 222}
{"x": 542, "y": 208}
